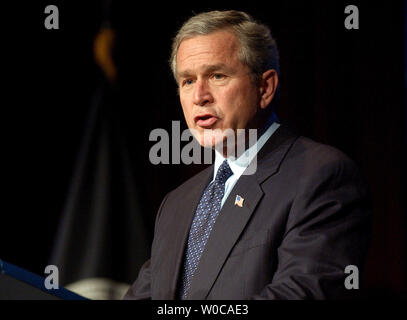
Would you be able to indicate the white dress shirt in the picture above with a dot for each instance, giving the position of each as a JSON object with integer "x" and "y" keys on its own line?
{"x": 239, "y": 165}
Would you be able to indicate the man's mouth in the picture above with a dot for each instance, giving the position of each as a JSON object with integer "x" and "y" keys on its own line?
{"x": 205, "y": 120}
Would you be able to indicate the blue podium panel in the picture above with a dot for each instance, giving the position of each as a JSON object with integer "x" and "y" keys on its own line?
{"x": 19, "y": 284}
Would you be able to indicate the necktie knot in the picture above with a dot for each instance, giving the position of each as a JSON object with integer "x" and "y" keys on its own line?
{"x": 224, "y": 172}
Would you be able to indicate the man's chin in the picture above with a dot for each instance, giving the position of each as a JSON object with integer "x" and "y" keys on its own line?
{"x": 216, "y": 139}
{"x": 211, "y": 144}
{"x": 208, "y": 138}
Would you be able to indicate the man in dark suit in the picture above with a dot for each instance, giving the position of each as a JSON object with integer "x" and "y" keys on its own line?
{"x": 287, "y": 229}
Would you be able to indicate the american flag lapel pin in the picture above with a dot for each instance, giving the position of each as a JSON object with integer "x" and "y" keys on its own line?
{"x": 239, "y": 201}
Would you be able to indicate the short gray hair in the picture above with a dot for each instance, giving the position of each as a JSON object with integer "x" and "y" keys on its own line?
{"x": 258, "y": 49}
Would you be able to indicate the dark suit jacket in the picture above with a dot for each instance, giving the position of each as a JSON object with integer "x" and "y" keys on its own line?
{"x": 305, "y": 218}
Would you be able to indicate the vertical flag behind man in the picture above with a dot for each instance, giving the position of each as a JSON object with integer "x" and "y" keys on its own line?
{"x": 103, "y": 237}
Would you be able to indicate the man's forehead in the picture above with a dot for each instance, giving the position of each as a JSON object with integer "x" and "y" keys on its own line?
{"x": 212, "y": 51}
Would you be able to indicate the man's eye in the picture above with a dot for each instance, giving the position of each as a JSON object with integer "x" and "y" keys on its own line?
{"x": 218, "y": 76}
{"x": 187, "y": 82}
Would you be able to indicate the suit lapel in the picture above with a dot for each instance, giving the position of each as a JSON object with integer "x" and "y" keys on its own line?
{"x": 186, "y": 208}
{"x": 232, "y": 219}
{"x": 273, "y": 152}
{"x": 227, "y": 229}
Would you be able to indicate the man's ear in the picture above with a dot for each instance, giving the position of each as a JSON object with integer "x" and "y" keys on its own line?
{"x": 268, "y": 87}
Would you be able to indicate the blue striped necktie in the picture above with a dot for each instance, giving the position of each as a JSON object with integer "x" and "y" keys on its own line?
{"x": 204, "y": 219}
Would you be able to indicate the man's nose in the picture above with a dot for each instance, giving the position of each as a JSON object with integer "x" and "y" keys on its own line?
{"x": 202, "y": 94}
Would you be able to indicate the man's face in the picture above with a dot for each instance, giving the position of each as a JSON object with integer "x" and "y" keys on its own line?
{"x": 216, "y": 89}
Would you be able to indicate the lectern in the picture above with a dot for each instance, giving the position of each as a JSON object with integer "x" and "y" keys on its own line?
{"x": 19, "y": 284}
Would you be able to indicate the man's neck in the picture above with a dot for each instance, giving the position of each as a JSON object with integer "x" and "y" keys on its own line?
{"x": 246, "y": 139}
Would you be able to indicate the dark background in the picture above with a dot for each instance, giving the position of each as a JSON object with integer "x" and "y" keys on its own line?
{"x": 346, "y": 88}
